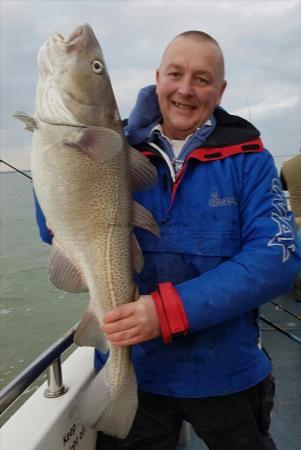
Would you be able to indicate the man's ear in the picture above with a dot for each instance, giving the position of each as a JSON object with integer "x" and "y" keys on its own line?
{"x": 157, "y": 78}
{"x": 221, "y": 90}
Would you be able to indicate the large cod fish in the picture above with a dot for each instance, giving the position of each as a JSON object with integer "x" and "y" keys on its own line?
{"x": 83, "y": 175}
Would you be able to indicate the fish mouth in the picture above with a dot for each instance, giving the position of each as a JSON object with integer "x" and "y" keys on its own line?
{"x": 82, "y": 33}
{"x": 58, "y": 38}
{"x": 75, "y": 34}
{"x": 81, "y": 39}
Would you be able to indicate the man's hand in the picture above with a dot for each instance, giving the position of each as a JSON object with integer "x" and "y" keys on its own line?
{"x": 132, "y": 323}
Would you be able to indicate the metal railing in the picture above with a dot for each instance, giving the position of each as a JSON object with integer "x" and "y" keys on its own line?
{"x": 49, "y": 359}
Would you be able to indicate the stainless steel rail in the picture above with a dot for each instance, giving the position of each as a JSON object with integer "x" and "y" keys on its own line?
{"x": 49, "y": 359}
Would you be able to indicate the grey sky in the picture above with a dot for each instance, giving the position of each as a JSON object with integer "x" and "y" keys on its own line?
{"x": 260, "y": 39}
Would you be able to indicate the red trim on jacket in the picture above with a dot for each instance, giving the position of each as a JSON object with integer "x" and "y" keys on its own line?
{"x": 147, "y": 153}
{"x": 207, "y": 154}
{"x": 172, "y": 317}
{"x": 163, "y": 322}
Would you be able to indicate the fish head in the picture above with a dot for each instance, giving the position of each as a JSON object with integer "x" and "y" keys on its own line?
{"x": 73, "y": 72}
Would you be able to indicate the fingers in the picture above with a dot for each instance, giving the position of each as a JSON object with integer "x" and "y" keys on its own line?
{"x": 125, "y": 338}
{"x": 119, "y": 325}
{"x": 118, "y": 313}
{"x": 132, "y": 323}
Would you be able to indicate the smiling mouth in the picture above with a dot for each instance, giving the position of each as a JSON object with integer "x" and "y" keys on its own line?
{"x": 183, "y": 106}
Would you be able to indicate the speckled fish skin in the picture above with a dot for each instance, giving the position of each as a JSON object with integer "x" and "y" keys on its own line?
{"x": 80, "y": 168}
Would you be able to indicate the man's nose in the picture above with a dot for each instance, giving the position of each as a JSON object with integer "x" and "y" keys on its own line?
{"x": 186, "y": 86}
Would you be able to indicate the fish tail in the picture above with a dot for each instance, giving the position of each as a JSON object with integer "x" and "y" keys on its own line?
{"x": 108, "y": 407}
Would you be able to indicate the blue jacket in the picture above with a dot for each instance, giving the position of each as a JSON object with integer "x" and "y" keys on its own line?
{"x": 227, "y": 244}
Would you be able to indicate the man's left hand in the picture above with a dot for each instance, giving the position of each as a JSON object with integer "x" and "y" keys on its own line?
{"x": 132, "y": 323}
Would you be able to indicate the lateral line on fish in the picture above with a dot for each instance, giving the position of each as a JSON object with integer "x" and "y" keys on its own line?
{"x": 120, "y": 374}
{"x": 108, "y": 253}
{"x": 109, "y": 278}
{"x": 68, "y": 124}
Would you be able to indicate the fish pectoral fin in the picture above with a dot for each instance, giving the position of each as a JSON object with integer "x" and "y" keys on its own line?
{"x": 89, "y": 333}
{"x": 143, "y": 173}
{"x": 98, "y": 143}
{"x": 29, "y": 121}
{"x": 138, "y": 260}
{"x": 63, "y": 273}
{"x": 143, "y": 218}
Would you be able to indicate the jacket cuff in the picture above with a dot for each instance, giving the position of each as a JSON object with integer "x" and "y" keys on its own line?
{"x": 172, "y": 317}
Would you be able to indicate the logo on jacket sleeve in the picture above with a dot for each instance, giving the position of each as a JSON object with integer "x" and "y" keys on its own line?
{"x": 285, "y": 237}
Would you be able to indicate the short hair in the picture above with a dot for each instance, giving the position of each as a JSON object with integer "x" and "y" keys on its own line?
{"x": 201, "y": 35}
{"x": 205, "y": 37}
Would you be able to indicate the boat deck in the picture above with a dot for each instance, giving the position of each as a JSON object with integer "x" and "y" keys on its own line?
{"x": 286, "y": 358}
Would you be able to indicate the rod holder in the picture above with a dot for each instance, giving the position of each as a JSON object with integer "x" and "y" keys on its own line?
{"x": 55, "y": 380}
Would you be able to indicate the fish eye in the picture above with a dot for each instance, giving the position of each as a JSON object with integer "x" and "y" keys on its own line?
{"x": 97, "y": 66}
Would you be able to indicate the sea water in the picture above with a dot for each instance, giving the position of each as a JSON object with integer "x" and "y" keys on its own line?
{"x": 33, "y": 313}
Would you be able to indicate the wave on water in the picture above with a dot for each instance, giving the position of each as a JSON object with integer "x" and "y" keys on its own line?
{"x": 4, "y": 312}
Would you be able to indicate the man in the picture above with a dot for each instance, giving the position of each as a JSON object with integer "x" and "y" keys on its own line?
{"x": 291, "y": 181}
{"x": 226, "y": 247}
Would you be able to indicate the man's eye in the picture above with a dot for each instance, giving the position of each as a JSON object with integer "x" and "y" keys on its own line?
{"x": 174, "y": 75}
{"x": 202, "y": 80}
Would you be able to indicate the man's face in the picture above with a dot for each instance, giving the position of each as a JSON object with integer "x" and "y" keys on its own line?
{"x": 189, "y": 85}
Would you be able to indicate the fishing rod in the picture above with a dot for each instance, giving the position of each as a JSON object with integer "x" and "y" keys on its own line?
{"x": 17, "y": 170}
{"x": 281, "y": 330}
{"x": 286, "y": 310}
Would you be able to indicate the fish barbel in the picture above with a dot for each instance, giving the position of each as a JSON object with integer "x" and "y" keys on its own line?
{"x": 83, "y": 175}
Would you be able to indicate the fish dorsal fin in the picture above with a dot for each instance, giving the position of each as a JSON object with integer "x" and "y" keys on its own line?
{"x": 137, "y": 255}
{"x": 89, "y": 333}
{"x": 63, "y": 273}
{"x": 99, "y": 143}
{"x": 29, "y": 121}
{"x": 143, "y": 173}
{"x": 143, "y": 218}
